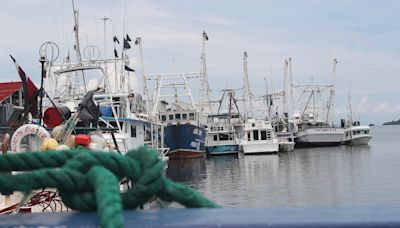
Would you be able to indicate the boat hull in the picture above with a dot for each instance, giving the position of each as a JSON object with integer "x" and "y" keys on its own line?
{"x": 185, "y": 141}
{"x": 261, "y": 148}
{"x": 286, "y": 146}
{"x": 223, "y": 149}
{"x": 315, "y": 137}
{"x": 363, "y": 140}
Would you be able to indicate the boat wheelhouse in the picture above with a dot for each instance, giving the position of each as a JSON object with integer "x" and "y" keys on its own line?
{"x": 259, "y": 137}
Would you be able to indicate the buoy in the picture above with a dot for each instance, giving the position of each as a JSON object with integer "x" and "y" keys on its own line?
{"x": 62, "y": 147}
{"x": 98, "y": 139}
{"x": 70, "y": 141}
{"x": 58, "y": 132}
{"x": 82, "y": 139}
{"x": 95, "y": 147}
{"x": 49, "y": 144}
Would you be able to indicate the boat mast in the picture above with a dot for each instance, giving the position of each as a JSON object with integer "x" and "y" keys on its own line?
{"x": 205, "y": 86}
{"x": 332, "y": 96}
{"x": 138, "y": 42}
{"x": 246, "y": 88}
{"x": 285, "y": 87}
{"x": 76, "y": 30}
{"x": 290, "y": 89}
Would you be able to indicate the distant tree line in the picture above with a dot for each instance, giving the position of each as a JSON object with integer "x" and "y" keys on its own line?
{"x": 394, "y": 122}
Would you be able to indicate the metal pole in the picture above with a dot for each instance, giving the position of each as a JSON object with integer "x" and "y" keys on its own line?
{"x": 41, "y": 94}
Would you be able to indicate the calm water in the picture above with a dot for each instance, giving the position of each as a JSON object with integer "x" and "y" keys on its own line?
{"x": 335, "y": 176}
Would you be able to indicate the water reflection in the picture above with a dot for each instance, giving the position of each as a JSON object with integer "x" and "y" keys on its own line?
{"x": 332, "y": 176}
{"x": 189, "y": 171}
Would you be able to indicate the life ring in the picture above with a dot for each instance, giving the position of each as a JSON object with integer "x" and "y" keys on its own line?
{"x": 25, "y": 130}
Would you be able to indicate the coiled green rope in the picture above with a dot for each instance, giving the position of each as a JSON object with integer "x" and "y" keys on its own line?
{"x": 89, "y": 181}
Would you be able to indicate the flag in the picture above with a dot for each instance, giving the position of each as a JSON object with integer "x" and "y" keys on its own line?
{"x": 115, "y": 39}
{"x": 115, "y": 53}
{"x": 128, "y": 38}
{"x": 30, "y": 90}
{"x": 126, "y": 44}
{"x": 205, "y": 35}
{"x": 127, "y": 68}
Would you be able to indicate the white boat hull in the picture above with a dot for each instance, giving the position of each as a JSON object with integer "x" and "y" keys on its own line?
{"x": 286, "y": 146}
{"x": 362, "y": 140}
{"x": 320, "y": 137}
{"x": 258, "y": 148}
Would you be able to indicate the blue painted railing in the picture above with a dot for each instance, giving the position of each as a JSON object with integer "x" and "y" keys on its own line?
{"x": 379, "y": 216}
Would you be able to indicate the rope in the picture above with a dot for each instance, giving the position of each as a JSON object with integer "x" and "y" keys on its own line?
{"x": 89, "y": 181}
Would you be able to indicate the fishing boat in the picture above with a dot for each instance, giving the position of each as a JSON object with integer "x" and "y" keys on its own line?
{"x": 318, "y": 133}
{"x": 314, "y": 125}
{"x": 355, "y": 133}
{"x": 222, "y": 137}
{"x": 259, "y": 137}
{"x": 185, "y": 132}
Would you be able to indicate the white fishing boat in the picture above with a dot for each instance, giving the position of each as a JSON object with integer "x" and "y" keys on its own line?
{"x": 259, "y": 137}
{"x": 318, "y": 134}
{"x": 356, "y": 134}
{"x": 313, "y": 125}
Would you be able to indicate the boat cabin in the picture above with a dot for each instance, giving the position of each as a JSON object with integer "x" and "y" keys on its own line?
{"x": 173, "y": 117}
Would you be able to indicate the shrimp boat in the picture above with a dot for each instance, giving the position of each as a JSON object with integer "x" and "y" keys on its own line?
{"x": 221, "y": 134}
{"x": 314, "y": 125}
{"x": 185, "y": 132}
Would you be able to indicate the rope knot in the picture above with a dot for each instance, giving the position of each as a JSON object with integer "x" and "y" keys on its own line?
{"x": 90, "y": 181}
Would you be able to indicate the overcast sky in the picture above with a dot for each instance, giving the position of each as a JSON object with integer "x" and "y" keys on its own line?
{"x": 363, "y": 35}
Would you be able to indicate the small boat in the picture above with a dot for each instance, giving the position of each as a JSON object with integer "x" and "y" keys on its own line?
{"x": 259, "y": 137}
{"x": 355, "y": 134}
{"x": 222, "y": 136}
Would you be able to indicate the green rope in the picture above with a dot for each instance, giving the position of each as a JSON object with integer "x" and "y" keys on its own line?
{"x": 89, "y": 181}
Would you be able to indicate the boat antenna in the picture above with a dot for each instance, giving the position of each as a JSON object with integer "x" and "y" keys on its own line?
{"x": 105, "y": 19}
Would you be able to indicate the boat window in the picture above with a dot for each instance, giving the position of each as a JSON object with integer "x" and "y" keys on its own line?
{"x": 171, "y": 117}
{"x": 269, "y": 135}
{"x": 255, "y": 134}
{"x": 177, "y": 116}
{"x": 163, "y": 118}
{"x": 248, "y": 136}
{"x": 223, "y": 137}
{"x": 253, "y": 124}
{"x": 215, "y": 138}
{"x": 263, "y": 135}
{"x": 184, "y": 116}
{"x": 358, "y": 132}
{"x": 191, "y": 116}
{"x": 133, "y": 131}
